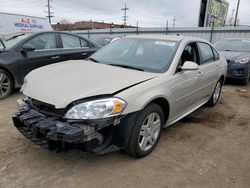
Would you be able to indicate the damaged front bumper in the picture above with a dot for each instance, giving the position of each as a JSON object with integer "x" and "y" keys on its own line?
{"x": 54, "y": 133}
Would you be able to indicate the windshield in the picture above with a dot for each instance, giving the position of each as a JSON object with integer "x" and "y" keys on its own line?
{"x": 11, "y": 40}
{"x": 142, "y": 54}
{"x": 233, "y": 45}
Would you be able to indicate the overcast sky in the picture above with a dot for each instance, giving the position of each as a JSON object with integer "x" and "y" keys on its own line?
{"x": 149, "y": 13}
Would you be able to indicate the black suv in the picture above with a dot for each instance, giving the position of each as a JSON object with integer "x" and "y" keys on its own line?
{"x": 21, "y": 53}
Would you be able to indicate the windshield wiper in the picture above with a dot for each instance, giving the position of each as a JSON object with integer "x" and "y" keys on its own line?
{"x": 93, "y": 59}
{"x": 127, "y": 67}
{"x": 15, "y": 36}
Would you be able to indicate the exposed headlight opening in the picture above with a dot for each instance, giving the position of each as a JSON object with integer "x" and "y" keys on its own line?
{"x": 97, "y": 109}
{"x": 242, "y": 60}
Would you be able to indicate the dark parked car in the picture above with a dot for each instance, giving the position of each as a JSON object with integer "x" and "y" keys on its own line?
{"x": 237, "y": 53}
{"x": 103, "y": 40}
{"x": 21, "y": 53}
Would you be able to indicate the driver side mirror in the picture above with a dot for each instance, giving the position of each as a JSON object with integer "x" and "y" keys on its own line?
{"x": 189, "y": 65}
{"x": 28, "y": 48}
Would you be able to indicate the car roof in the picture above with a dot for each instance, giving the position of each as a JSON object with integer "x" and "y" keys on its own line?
{"x": 176, "y": 38}
{"x": 237, "y": 39}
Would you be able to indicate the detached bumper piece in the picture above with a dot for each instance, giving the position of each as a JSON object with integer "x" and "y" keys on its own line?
{"x": 55, "y": 135}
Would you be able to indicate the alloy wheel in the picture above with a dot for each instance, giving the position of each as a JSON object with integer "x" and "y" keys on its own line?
{"x": 5, "y": 84}
{"x": 217, "y": 91}
{"x": 150, "y": 131}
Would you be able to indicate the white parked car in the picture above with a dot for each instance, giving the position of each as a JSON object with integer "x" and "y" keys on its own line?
{"x": 122, "y": 96}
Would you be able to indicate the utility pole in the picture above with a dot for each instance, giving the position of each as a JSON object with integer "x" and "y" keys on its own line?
{"x": 49, "y": 12}
{"x": 125, "y": 17}
{"x": 236, "y": 15}
{"x": 174, "y": 20}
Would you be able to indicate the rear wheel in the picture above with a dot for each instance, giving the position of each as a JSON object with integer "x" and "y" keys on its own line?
{"x": 146, "y": 131}
{"x": 6, "y": 84}
{"x": 216, "y": 94}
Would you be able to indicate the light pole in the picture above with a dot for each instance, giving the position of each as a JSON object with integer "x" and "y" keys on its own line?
{"x": 236, "y": 14}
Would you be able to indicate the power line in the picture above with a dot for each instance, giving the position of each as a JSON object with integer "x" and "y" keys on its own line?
{"x": 125, "y": 17}
{"x": 49, "y": 12}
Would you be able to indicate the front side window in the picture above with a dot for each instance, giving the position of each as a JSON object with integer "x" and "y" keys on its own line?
{"x": 189, "y": 54}
{"x": 43, "y": 41}
{"x": 147, "y": 54}
{"x": 207, "y": 54}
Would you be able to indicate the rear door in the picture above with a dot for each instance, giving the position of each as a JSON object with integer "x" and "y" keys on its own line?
{"x": 209, "y": 69}
{"x": 74, "y": 47}
{"x": 45, "y": 53}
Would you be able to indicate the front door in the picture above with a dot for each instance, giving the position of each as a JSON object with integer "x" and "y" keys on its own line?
{"x": 45, "y": 53}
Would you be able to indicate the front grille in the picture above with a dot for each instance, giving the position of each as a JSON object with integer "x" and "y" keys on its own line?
{"x": 45, "y": 108}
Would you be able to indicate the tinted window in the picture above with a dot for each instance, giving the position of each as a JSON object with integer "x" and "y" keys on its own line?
{"x": 147, "y": 54}
{"x": 70, "y": 41}
{"x": 43, "y": 41}
{"x": 237, "y": 45}
{"x": 207, "y": 54}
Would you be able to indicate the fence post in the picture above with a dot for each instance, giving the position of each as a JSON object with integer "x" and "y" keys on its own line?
{"x": 88, "y": 34}
{"x": 167, "y": 27}
{"x": 212, "y": 32}
{"x": 137, "y": 28}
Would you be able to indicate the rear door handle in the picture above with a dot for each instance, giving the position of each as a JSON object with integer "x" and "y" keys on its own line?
{"x": 55, "y": 57}
{"x": 84, "y": 54}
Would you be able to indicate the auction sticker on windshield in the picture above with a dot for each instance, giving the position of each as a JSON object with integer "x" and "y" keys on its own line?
{"x": 165, "y": 43}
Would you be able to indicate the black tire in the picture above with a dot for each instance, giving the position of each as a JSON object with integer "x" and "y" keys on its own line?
{"x": 6, "y": 84}
{"x": 133, "y": 148}
{"x": 212, "y": 101}
{"x": 246, "y": 80}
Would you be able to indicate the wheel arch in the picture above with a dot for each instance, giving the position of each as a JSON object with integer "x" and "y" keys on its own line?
{"x": 164, "y": 104}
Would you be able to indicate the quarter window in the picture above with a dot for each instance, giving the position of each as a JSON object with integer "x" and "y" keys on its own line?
{"x": 207, "y": 54}
{"x": 43, "y": 41}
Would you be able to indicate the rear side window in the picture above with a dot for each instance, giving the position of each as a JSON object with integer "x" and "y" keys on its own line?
{"x": 43, "y": 41}
{"x": 206, "y": 53}
{"x": 70, "y": 41}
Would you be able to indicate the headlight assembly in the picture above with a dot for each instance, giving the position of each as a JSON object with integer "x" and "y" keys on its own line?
{"x": 96, "y": 109}
{"x": 242, "y": 60}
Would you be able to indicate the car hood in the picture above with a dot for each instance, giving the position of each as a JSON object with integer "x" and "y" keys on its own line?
{"x": 62, "y": 83}
{"x": 231, "y": 55}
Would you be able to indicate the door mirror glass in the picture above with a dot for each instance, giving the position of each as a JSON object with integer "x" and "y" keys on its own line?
{"x": 28, "y": 48}
{"x": 189, "y": 65}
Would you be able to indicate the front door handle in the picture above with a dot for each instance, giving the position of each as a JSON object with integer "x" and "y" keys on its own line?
{"x": 84, "y": 54}
{"x": 200, "y": 74}
{"x": 55, "y": 57}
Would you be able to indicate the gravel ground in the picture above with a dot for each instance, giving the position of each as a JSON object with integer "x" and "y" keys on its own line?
{"x": 210, "y": 148}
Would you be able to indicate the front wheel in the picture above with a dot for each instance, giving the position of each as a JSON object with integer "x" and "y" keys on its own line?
{"x": 216, "y": 94}
{"x": 146, "y": 131}
{"x": 6, "y": 84}
{"x": 246, "y": 80}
